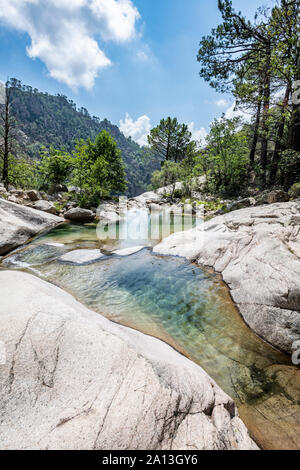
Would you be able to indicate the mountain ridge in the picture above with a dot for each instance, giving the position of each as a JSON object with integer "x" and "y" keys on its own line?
{"x": 46, "y": 120}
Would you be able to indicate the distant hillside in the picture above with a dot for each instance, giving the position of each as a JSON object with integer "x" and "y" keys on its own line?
{"x": 54, "y": 120}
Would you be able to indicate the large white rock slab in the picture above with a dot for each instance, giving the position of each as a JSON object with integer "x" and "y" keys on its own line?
{"x": 257, "y": 251}
{"x": 75, "y": 380}
{"x": 19, "y": 223}
{"x": 82, "y": 256}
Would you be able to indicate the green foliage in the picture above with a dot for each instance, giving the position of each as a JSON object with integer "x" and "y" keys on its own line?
{"x": 105, "y": 149}
{"x": 258, "y": 62}
{"x": 169, "y": 175}
{"x": 49, "y": 120}
{"x": 295, "y": 191}
{"x": 225, "y": 159}
{"x": 54, "y": 168}
{"x": 289, "y": 168}
{"x": 213, "y": 205}
{"x": 98, "y": 169}
{"x": 170, "y": 140}
{"x": 22, "y": 173}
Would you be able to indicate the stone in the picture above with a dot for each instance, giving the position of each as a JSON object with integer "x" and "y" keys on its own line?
{"x": 176, "y": 209}
{"x": 147, "y": 198}
{"x": 14, "y": 199}
{"x": 277, "y": 196}
{"x": 3, "y": 191}
{"x": 242, "y": 203}
{"x": 108, "y": 212}
{"x": 155, "y": 207}
{"x": 82, "y": 256}
{"x": 128, "y": 251}
{"x": 18, "y": 224}
{"x": 45, "y": 206}
{"x": 74, "y": 380}
{"x": 18, "y": 193}
{"x": 257, "y": 252}
{"x": 33, "y": 195}
{"x": 74, "y": 189}
{"x": 58, "y": 188}
{"x": 108, "y": 216}
{"x": 79, "y": 215}
{"x": 71, "y": 205}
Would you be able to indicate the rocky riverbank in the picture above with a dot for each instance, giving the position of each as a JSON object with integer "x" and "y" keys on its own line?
{"x": 257, "y": 251}
{"x": 74, "y": 380}
{"x": 19, "y": 223}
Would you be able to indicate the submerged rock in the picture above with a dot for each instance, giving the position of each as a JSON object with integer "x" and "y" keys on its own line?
{"x": 257, "y": 250}
{"x": 82, "y": 256}
{"x": 74, "y": 380}
{"x": 18, "y": 224}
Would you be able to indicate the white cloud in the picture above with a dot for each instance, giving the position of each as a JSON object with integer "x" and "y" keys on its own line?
{"x": 138, "y": 130}
{"x": 2, "y": 92}
{"x": 142, "y": 56}
{"x": 116, "y": 17}
{"x": 63, "y": 33}
{"x": 199, "y": 135}
{"x": 222, "y": 103}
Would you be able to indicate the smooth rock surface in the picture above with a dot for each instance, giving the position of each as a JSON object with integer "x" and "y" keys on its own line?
{"x": 75, "y": 380}
{"x": 18, "y": 224}
{"x": 128, "y": 251}
{"x": 108, "y": 216}
{"x": 198, "y": 183}
{"x": 242, "y": 203}
{"x": 79, "y": 215}
{"x": 257, "y": 250}
{"x": 45, "y": 206}
{"x": 150, "y": 197}
{"x": 82, "y": 256}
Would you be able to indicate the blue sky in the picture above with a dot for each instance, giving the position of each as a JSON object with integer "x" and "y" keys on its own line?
{"x": 137, "y": 58}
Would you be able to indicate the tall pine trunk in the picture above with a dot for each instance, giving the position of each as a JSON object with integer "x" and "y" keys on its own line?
{"x": 279, "y": 137}
{"x": 294, "y": 136}
{"x": 255, "y": 136}
{"x": 266, "y": 107}
{"x": 6, "y": 140}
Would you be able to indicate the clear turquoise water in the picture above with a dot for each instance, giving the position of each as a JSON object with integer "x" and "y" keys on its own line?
{"x": 187, "y": 307}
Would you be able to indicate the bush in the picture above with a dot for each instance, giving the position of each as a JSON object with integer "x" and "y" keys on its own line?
{"x": 55, "y": 167}
{"x": 225, "y": 158}
{"x": 21, "y": 173}
{"x": 295, "y": 191}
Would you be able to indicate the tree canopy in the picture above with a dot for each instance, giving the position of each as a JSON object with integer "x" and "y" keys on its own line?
{"x": 170, "y": 140}
{"x": 259, "y": 63}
